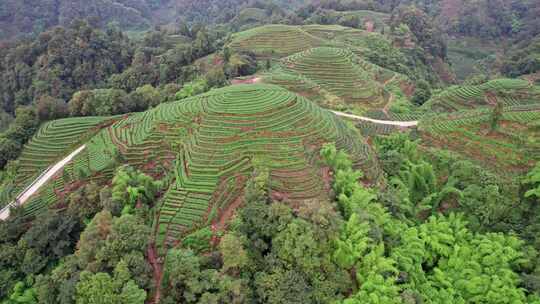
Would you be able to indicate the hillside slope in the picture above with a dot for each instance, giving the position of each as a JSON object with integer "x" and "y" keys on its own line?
{"x": 210, "y": 145}
{"x": 509, "y": 92}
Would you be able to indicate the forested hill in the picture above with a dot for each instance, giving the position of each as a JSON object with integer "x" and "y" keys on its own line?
{"x": 455, "y": 17}
{"x": 26, "y": 17}
{"x": 32, "y": 17}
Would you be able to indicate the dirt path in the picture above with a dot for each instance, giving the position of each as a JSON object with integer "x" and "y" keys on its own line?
{"x": 388, "y": 104}
{"x": 405, "y": 124}
{"x": 390, "y": 80}
{"x": 392, "y": 96}
{"x": 40, "y": 181}
{"x": 252, "y": 80}
{"x": 157, "y": 271}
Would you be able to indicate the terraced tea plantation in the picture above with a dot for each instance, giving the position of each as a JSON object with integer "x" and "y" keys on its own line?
{"x": 335, "y": 33}
{"x": 53, "y": 140}
{"x": 275, "y": 40}
{"x": 337, "y": 72}
{"x": 211, "y": 143}
{"x": 512, "y": 147}
{"x": 324, "y": 63}
{"x": 509, "y": 92}
{"x": 230, "y": 128}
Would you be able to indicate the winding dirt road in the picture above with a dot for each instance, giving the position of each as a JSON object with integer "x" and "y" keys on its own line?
{"x": 38, "y": 183}
{"x": 406, "y": 124}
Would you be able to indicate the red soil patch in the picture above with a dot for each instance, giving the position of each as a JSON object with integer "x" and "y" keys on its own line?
{"x": 224, "y": 216}
{"x": 251, "y": 80}
{"x": 407, "y": 88}
{"x": 491, "y": 98}
{"x": 279, "y": 196}
{"x": 122, "y": 146}
{"x": 370, "y": 26}
{"x": 157, "y": 271}
{"x": 227, "y": 214}
{"x": 163, "y": 128}
{"x": 327, "y": 178}
{"x": 444, "y": 72}
{"x": 450, "y": 9}
{"x": 218, "y": 61}
{"x": 532, "y": 78}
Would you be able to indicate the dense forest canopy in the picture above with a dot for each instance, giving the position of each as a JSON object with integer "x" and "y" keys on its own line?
{"x": 253, "y": 151}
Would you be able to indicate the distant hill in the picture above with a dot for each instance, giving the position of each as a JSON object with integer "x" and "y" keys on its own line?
{"x": 513, "y": 146}
{"x": 26, "y": 17}
{"x": 327, "y": 63}
{"x": 510, "y": 92}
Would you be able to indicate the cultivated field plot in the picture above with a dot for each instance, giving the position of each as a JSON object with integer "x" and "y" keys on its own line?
{"x": 370, "y": 129}
{"x": 335, "y": 33}
{"x": 226, "y": 131}
{"x": 324, "y": 63}
{"x": 53, "y": 140}
{"x": 509, "y": 92}
{"x": 513, "y": 146}
{"x": 210, "y": 143}
{"x": 275, "y": 40}
{"x": 368, "y": 20}
{"x": 336, "y": 71}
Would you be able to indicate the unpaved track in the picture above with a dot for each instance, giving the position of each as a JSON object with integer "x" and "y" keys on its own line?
{"x": 44, "y": 178}
{"x": 405, "y": 124}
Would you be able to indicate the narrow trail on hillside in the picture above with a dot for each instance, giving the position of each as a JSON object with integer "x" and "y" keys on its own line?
{"x": 38, "y": 183}
{"x": 390, "y": 80}
{"x": 405, "y": 124}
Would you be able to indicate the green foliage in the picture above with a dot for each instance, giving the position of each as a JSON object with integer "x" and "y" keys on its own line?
{"x": 109, "y": 265}
{"x": 132, "y": 187}
{"x": 376, "y": 274}
{"x": 261, "y": 40}
{"x": 57, "y": 64}
{"x": 86, "y": 202}
{"x": 301, "y": 249}
{"x": 380, "y": 51}
{"x": 422, "y": 92}
{"x": 22, "y": 294}
{"x": 353, "y": 243}
{"x": 523, "y": 58}
{"x": 454, "y": 253}
{"x": 216, "y": 78}
{"x": 235, "y": 257}
{"x": 198, "y": 241}
{"x": 496, "y": 116}
{"x": 99, "y": 102}
{"x": 107, "y": 240}
{"x": 359, "y": 246}
{"x": 533, "y": 181}
{"x": 337, "y": 160}
{"x": 192, "y": 88}
{"x": 188, "y": 281}
{"x": 413, "y": 179}
{"x": 100, "y": 288}
{"x": 509, "y": 92}
{"x": 205, "y": 174}
{"x": 296, "y": 245}
{"x": 18, "y": 133}
{"x": 440, "y": 260}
